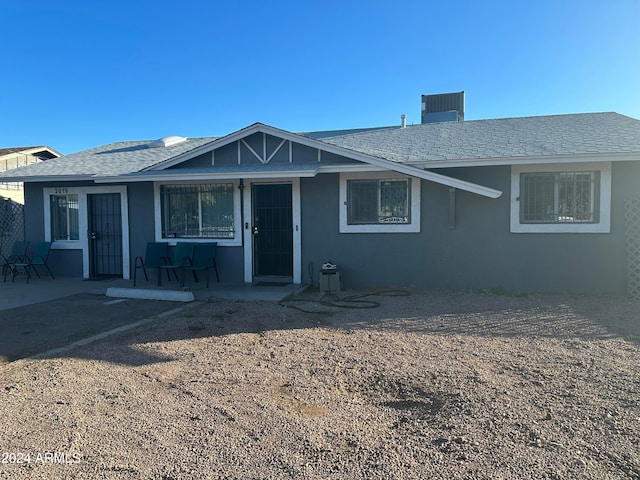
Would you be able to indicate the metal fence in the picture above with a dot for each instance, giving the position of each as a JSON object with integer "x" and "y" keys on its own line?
{"x": 11, "y": 224}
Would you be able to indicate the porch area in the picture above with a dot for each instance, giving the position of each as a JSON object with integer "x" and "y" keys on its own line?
{"x": 19, "y": 293}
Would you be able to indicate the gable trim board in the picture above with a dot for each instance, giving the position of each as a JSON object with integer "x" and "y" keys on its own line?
{"x": 322, "y": 146}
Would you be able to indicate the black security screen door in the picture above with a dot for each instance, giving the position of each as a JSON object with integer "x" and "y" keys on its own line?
{"x": 272, "y": 230}
{"x": 105, "y": 235}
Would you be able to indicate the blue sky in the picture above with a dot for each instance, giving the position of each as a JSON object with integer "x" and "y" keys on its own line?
{"x": 79, "y": 74}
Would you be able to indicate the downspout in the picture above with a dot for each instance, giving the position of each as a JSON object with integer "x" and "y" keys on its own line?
{"x": 241, "y": 188}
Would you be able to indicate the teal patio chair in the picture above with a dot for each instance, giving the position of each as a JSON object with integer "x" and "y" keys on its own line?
{"x": 155, "y": 256}
{"x": 39, "y": 258}
{"x": 182, "y": 256}
{"x": 18, "y": 255}
{"x": 204, "y": 258}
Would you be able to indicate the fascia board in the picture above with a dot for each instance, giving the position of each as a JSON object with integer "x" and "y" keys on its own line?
{"x": 208, "y": 176}
{"x": 51, "y": 178}
{"x": 362, "y": 167}
{"x": 533, "y": 160}
{"x": 424, "y": 174}
{"x": 456, "y": 183}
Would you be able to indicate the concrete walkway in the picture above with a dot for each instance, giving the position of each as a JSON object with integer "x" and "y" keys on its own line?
{"x": 19, "y": 293}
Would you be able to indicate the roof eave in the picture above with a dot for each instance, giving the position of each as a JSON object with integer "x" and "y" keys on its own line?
{"x": 47, "y": 178}
{"x": 211, "y": 175}
{"x": 527, "y": 160}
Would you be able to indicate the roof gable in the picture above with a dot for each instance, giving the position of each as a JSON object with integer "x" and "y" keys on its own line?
{"x": 266, "y": 155}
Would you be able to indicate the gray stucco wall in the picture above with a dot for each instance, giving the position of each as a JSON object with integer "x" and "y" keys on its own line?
{"x": 479, "y": 253}
{"x": 62, "y": 262}
{"x": 141, "y": 231}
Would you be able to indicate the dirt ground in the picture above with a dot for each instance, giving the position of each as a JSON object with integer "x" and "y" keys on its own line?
{"x": 411, "y": 385}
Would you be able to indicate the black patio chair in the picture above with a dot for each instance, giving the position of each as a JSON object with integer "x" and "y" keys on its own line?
{"x": 204, "y": 258}
{"x": 39, "y": 258}
{"x": 18, "y": 255}
{"x": 155, "y": 256}
{"x": 182, "y": 256}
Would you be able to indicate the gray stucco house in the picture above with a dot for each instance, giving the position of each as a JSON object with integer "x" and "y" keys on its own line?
{"x": 524, "y": 204}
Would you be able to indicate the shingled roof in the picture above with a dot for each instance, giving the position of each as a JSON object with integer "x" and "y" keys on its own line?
{"x": 508, "y": 138}
{"x": 433, "y": 145}
{"x": 108, "y": 160}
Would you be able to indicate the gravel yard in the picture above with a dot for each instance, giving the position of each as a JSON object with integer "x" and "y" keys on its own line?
{"x": 437, "y": 385}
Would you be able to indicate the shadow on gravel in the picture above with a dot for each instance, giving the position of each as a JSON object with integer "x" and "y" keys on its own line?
{"x": 429, "y": 313}
{"x": 38, "y": 328}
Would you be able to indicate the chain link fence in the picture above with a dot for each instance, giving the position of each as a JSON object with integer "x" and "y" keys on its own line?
{"x": 11, "y": 224}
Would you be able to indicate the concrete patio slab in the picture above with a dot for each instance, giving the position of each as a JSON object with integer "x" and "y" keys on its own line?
{"x": 49, "y": 315}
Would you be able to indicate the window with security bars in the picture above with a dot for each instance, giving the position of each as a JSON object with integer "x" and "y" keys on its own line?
{"x": 64, "y": 217}
{"x": 559, "y": 197}
{"x": 197, "y": 211}
{"x": 378, "y": 202}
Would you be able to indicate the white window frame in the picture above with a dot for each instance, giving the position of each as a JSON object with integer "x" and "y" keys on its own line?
{"x": 222, "y": 242}
{"x": 414, "y": 221}
{"x": 603, "y": 225}
{"x": 49, "y": 233}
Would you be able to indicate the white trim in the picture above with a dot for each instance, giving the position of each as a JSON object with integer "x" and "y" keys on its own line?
{"x": 353, "y": 167}
{"x": 252, "y": 150}
{"x": 172, "y": 176}
{"x": 602, "y": 226}
{"x": 83, "y": 222}
{"x": 297, "y": 233}
{"x": 327, "y": 147}
{"x": 412, "y": 227}
{"x": 522, "y": 160}
{"x": 47, "y": 178}
{"x": 222, "y": 242}
{"x": 276, "y": 150}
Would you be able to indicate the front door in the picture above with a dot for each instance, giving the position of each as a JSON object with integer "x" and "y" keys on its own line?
{"x": 272, "y": 230}
{"x": 105, "y": 235}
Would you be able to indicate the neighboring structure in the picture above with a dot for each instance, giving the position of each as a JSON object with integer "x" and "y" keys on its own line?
{"x": 16, "y": 157}
{"x": 524, "y": 204}
{"x": 12, "y": 193}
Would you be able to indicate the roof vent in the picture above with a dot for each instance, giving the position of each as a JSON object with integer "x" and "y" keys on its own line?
{"x": 167, "y": 141}
{"x": 403, "y": 121}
